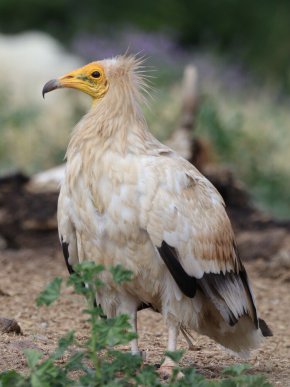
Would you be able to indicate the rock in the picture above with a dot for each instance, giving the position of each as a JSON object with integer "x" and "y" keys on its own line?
{"x": 9, "y": 326}
{"x": 3, "y": 293}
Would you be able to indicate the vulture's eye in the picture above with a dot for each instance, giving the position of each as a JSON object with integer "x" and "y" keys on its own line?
{"x": 96, "y": 74}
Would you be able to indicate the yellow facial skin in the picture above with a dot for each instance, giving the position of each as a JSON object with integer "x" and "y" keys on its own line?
{"x": 90, "y": 79}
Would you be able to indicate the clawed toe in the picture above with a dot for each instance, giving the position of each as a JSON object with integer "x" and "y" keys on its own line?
{"x": 166, "y": 372}
{"x": 166, "y": 369}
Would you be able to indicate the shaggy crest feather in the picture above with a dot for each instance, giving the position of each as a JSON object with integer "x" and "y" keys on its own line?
{"x": 129, "y": 71}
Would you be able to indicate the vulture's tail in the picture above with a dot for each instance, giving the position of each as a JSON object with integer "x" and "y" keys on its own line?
{"x": 219, "y": 305}
{"x": 229, "y": 314}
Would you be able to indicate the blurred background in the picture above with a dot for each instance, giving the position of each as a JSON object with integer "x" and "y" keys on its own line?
{"x": 241, "y": 51}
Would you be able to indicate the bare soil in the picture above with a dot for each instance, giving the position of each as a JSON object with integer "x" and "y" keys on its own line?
{"x": 24, "y": 273}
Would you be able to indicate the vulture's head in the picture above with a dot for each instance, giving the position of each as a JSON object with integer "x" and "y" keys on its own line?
{"x": 97, "y": 78}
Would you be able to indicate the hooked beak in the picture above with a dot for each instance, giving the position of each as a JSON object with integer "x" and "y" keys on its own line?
{"x": 71, "y": 80}
{"x": 51, "y": 85}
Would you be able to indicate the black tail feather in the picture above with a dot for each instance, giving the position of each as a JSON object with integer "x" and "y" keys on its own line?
{"x": 266, "y": 331}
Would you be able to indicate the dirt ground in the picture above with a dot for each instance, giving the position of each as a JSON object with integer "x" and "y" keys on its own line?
{"x": 24, "y": 273}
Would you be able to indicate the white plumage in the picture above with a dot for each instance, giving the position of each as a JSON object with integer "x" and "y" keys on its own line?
{"x": 128, "y": 199}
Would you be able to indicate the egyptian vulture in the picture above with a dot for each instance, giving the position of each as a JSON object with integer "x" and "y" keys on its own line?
{"x": 128, "y": 199}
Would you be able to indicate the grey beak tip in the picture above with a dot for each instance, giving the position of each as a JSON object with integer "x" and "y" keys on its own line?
{"x": 49, "y": 86}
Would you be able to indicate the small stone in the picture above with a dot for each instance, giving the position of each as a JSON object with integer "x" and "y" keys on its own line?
{"x": 9, "y": 326}
{"x": 3, "y": 293}
{"x": 41, "y": 338}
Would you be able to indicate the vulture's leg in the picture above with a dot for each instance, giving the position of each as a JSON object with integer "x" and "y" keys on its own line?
{"x": 129, "y": 306}
{"x": 134, "y": 342}
{"x": 166, "y": 368}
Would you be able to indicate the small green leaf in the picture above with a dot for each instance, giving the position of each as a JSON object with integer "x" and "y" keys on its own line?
{"x": 236, "y": 369}
{"x": 48, "y": 374}
{"x": 86, "y": 279}
{"x": 63, "y": 344}
{"x": 88, "y": 269}
{"x": 147, "y": 376}
{"x": 50, "y": 293}
{"x": 245, "y": 381}
{"x": 236, "y": 377}
{"x": 175, "y": 356}
{"x": 13, "y": 378}
{"x": 125, "y": 361}
{"x": 120, "y": 274}
{"x": 192, "y": 378}
{"x": 75, "y": 362}
{"x": 32, "y": 357}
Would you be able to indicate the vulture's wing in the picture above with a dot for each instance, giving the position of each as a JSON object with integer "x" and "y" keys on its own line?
{"x": 187, "y": 222}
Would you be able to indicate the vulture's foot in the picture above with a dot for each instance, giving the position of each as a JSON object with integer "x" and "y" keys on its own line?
{"x": 167, "y": 368}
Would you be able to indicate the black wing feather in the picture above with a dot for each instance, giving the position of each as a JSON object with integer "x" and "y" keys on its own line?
{"x": 64, "y": 246}
{"x": 185, "y": 282}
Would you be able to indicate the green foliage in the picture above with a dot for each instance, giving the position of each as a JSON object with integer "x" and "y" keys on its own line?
{"x": 252, "y": 152}
{"x": 236, "y": 369}
{"x": 12, "y": 118}
{"x": 175, "y": 356}
{"x": 13, "y": 378}
{"x": 237, "y": 377}
{"x": 253, "y": 31}
{"x": 120, "y": 274}
{"x": 86, "y": 273}
{"x": 32, "y": 357}
{"x": 96, "y": 363}
{"x": 223, "y": 133}
{"x": 50, "y": 293}
{"x": 24, "y": 124}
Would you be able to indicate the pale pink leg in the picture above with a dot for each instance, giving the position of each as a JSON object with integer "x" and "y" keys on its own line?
{"x": 166, "y": 368}
{"x": 134, "y": 342}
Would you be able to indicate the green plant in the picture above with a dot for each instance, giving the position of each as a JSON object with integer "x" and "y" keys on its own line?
{"x": 96, "y": 363}
{"x": 256, "y": 152}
